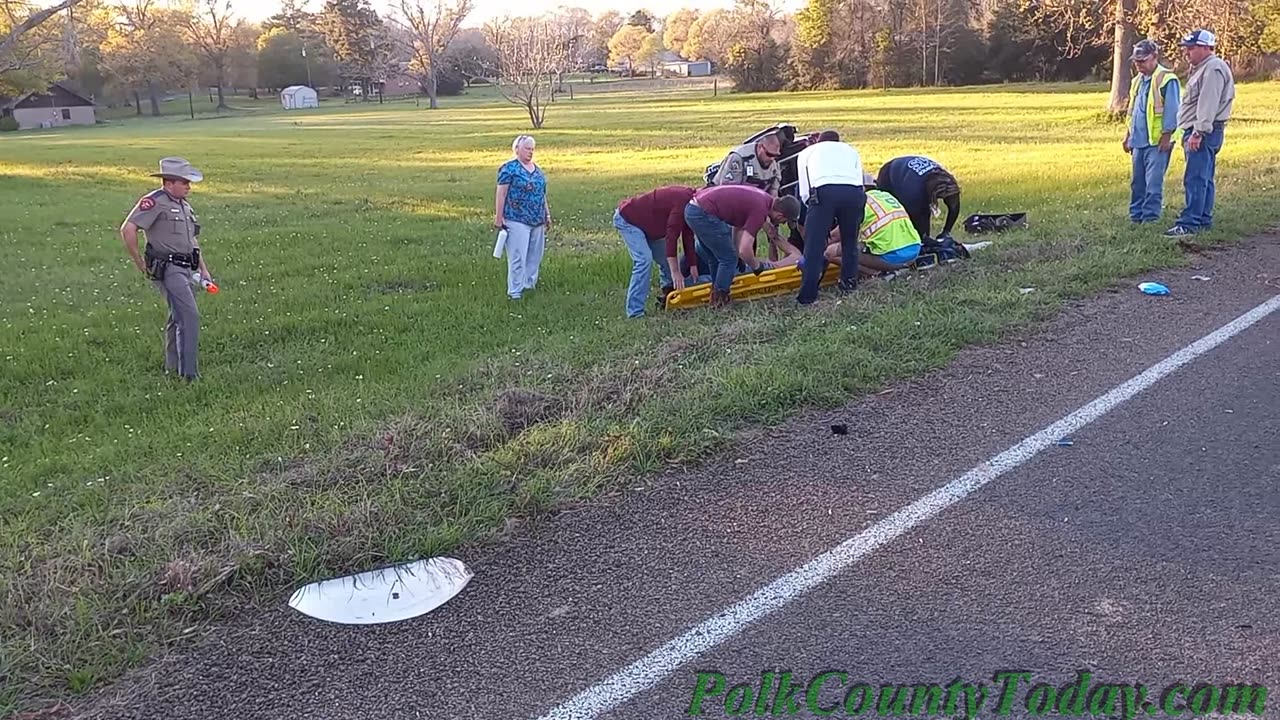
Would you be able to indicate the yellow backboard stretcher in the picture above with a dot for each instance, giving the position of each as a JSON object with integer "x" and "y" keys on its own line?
{"x": 749, "y": 286}
{"x": 772, "y": 283}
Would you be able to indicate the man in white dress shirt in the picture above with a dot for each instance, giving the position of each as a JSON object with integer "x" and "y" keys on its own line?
{"x": 831, "y": 187}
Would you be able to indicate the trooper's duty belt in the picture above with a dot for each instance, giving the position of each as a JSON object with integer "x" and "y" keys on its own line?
{"x": 187, "y": 260}
{"x": 158, "y": 262}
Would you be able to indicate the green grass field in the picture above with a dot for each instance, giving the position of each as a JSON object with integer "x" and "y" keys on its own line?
{"x": 370, "y": 395}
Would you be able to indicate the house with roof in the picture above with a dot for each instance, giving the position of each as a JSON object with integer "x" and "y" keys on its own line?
{"x": 399, "y": 82}
{"x": 673, "y": 64}
{"x": 57, "y": 106}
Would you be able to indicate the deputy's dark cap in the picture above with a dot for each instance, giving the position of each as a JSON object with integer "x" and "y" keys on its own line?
{"x": 1145, "y": 49}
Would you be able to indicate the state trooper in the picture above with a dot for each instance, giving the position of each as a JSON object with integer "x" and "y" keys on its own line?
{"x": 171, "y": 257}
{"x": 757, "y": 164}
{"x": 754, "y": 163}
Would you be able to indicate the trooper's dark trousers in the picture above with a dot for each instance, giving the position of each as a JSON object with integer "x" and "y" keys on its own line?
{"x": 842, "y": 205}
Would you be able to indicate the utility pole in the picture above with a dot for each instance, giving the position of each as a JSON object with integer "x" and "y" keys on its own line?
{"x": 308, "y": 62}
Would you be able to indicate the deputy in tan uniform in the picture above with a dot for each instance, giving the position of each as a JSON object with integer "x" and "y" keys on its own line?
{"x": 756, "y": 163}
{"x": 172, "y": 254}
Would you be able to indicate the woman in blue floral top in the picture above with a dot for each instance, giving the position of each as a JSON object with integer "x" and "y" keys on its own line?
{"x": 521, "y": 208}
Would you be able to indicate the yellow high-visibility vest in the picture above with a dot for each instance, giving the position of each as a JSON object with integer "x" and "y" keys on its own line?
{"x": 886, "y": 226}
{"x": 1155, "y": 100}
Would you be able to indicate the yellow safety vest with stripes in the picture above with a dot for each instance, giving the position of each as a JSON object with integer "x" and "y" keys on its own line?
{"x": 885, "y": 224}
{"x": 1155, "y": 100}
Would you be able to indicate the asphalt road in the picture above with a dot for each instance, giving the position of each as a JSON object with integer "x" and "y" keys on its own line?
{"x": 1147, "y": 551}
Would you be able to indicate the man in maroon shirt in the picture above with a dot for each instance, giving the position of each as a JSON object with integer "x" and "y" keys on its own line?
{"x": 649, "y": 225}
{"x": 726, "y": 220}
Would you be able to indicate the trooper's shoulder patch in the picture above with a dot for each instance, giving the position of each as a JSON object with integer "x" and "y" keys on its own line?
{"x": 146, "y": 203}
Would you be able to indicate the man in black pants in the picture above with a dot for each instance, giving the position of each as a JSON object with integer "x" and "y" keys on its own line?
{"x": 831, "y": 185}
{"x": 918, "y": 182}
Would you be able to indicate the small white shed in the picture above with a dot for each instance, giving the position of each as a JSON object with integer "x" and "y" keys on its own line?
{"x": 298, "y": 96}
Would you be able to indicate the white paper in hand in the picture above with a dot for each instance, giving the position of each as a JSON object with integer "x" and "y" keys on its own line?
{"x": 501, "y": 245}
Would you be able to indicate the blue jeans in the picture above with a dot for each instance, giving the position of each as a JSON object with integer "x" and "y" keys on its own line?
{"x": 644, "y": 254}
{"x": 1147, "y": 196}
{"x": 716, "y": 237}
{"x": 1198, "y": 180}
{"x": 706, "y": 266}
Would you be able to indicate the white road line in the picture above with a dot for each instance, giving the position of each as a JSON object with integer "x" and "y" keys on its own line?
{"x": 655, "y": 666}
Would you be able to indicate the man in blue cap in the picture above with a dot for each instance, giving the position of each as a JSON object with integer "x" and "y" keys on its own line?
{"x": 1206, "y": 108}
{"x": 1153, "y": 116}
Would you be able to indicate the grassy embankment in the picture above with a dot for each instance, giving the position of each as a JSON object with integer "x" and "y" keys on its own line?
{"x": 370, "y": 395}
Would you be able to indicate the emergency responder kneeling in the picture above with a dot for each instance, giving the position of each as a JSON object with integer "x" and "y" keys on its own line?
{"x": 888, "y": 238}
{"x": 172, "y": 255}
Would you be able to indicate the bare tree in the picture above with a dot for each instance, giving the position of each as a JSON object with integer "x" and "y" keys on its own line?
{"x": 759, "y": 19}
{"x": 1118, "y": 24}
{"x": 133, "y": 47}
{"x": 146, "y": 49}
{"x": 529, "y": 54}
{"x": 433, "y": 29}
{"x": 470, "y": 56}
{"x": 575, "y": 26}
{"x": 712, "y": 34}
{"x": 1085, "y": 23}
{"x": 1237, "y": 23}
{"x": 923, "y": 15}
{"x": 935, "y": 25}
{"x": 212, "y": 30}
{"x": 596, "y": 45}
{"x": 1121, "y": 71}
{"x": 18, "y": 21}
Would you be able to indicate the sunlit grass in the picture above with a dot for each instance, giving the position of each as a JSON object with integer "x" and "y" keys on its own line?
{"x": 370, "y": 395}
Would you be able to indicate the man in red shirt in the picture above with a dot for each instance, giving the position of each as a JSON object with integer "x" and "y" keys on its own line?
{"x": 649, "y": 225}
{"x": 726, "y": 220}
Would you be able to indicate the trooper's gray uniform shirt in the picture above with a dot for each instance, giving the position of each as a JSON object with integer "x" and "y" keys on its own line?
{"x": 742, "y": 167}
{"x": 171, "y": 227}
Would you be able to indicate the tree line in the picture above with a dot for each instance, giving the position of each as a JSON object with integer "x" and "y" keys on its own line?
{"x": 128, "y": 50}
{"x": 138, "y": 51}
{"x": 838, "y": 44}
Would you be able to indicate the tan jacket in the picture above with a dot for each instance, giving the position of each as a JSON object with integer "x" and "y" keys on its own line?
{"x": 1211, "y": 91}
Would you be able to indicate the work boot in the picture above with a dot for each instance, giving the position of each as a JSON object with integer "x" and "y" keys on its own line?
{"x": 719, "y": 298}
{"x": 662, "y": 296}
